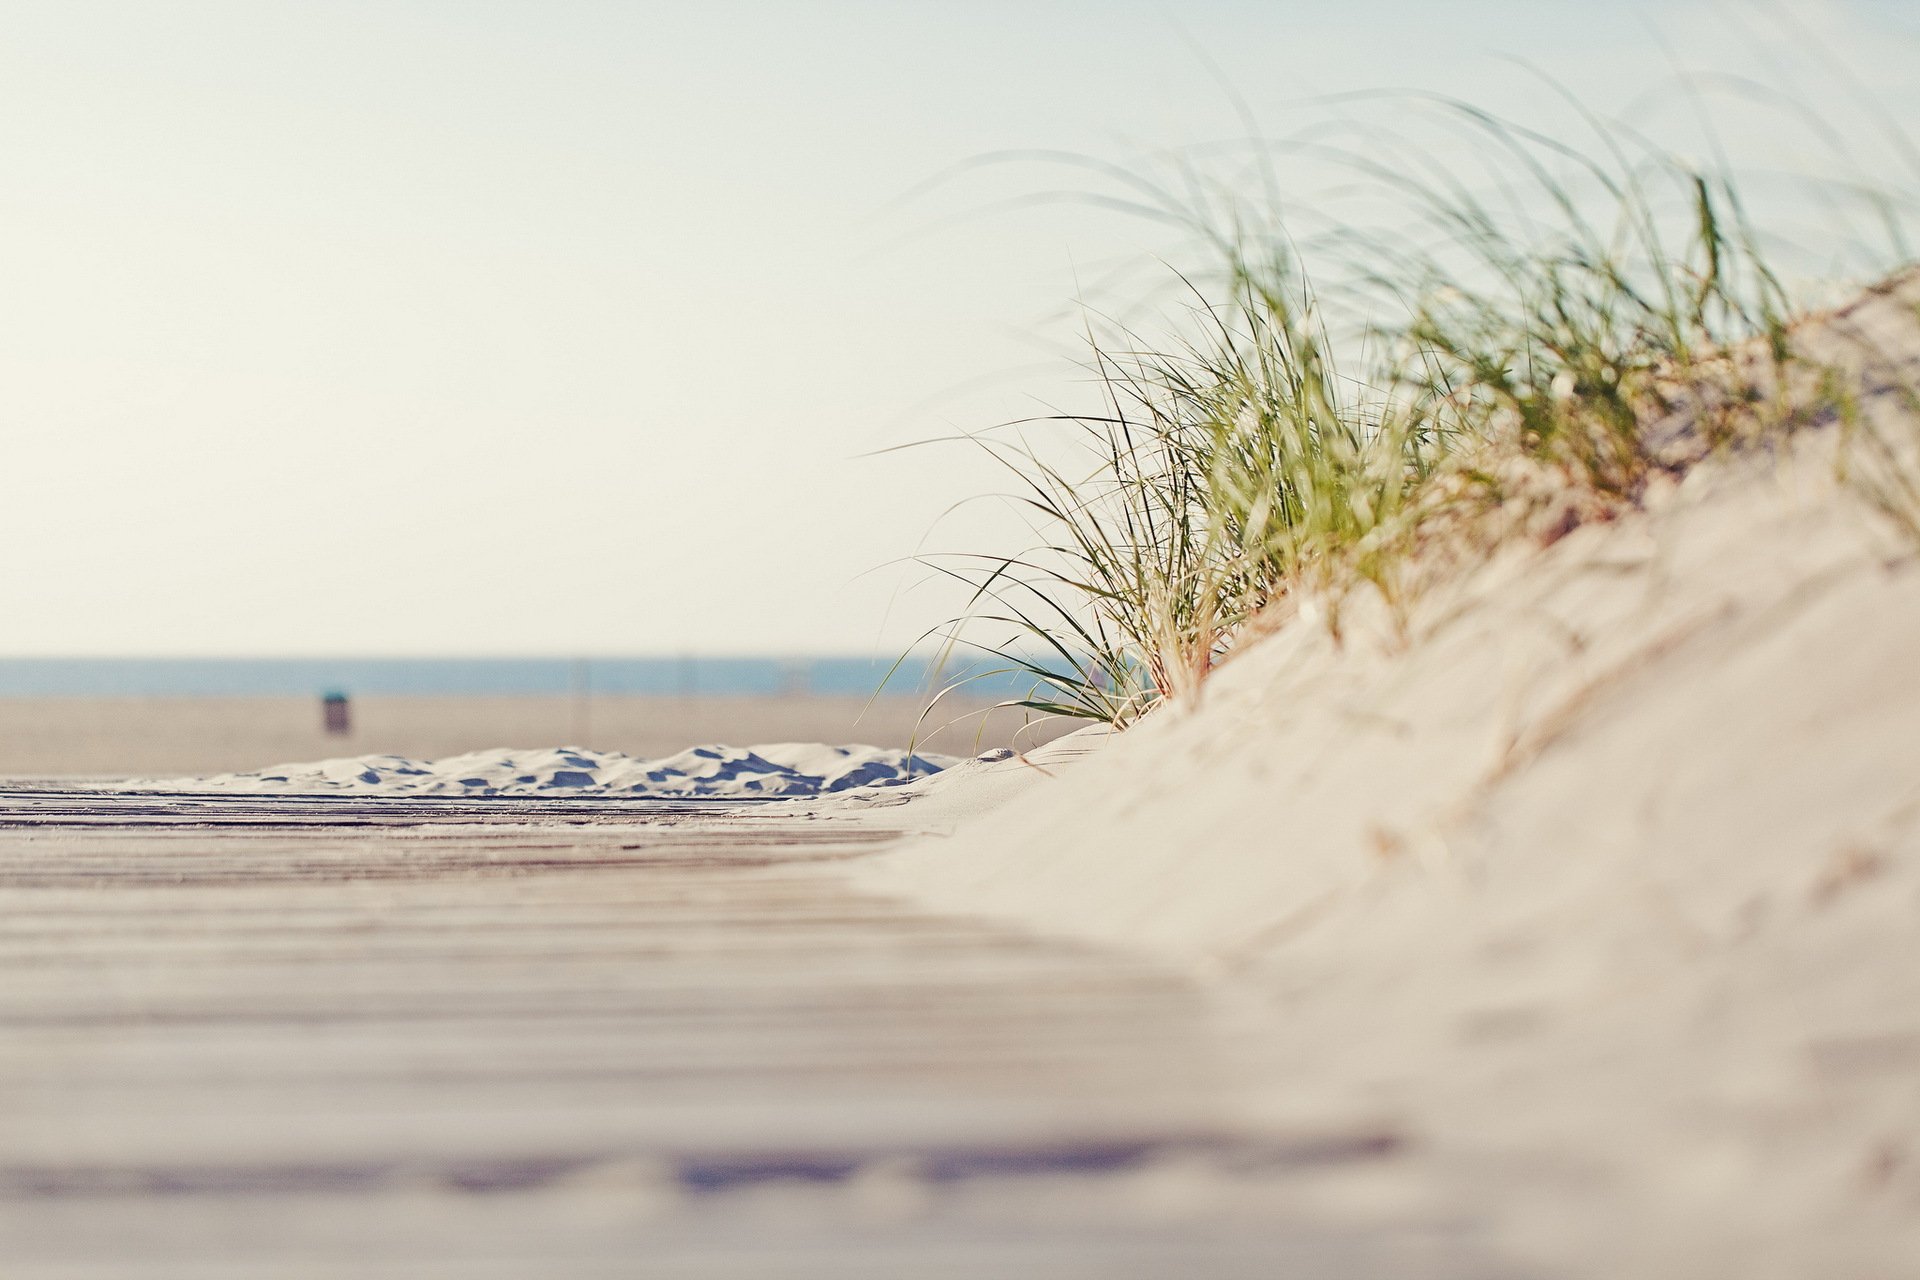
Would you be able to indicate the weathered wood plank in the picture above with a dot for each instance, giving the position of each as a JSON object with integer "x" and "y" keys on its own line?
{"x": 320, "y": 1039}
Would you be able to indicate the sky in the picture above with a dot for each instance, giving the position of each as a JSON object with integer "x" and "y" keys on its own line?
{"x": 561, "y": 327}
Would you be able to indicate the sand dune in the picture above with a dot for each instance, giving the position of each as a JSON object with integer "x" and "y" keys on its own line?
{"x": 1604, "y": 884}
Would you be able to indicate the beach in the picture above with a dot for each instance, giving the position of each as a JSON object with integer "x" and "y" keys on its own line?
{"x": 169, "y": 736}
{"x": 674, "y": 642}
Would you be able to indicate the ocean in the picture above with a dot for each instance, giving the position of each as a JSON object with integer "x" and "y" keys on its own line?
{"x": 305, "y": 677}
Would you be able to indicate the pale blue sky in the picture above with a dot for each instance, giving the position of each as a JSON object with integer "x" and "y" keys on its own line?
{"x": 563, "y": 327}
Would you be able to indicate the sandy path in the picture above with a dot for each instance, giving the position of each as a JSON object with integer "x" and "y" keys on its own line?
{"x": 243, "y": 1036}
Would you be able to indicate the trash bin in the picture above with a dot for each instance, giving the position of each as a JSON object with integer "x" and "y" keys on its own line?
{"x": 335, "y": 711}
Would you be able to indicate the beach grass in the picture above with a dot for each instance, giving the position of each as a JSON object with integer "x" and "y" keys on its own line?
{"x": 1881, "y": 460}
{"x": 1526, "y": 347}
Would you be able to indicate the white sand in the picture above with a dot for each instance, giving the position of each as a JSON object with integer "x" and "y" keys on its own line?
{"x": 791, "y": 770}
{"x": 1604, "y": 887}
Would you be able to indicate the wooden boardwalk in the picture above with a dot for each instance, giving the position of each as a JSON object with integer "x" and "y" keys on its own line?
{"x": 262, "y": 1037}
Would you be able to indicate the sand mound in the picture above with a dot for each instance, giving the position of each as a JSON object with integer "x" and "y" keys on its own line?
{"x": 1602, "y": 885}
{"x": 787, "y": 770}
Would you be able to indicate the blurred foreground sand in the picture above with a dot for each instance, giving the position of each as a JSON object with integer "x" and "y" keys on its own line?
{"x": 50, "y": 737}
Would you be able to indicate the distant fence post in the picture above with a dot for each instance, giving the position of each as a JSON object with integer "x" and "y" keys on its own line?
{"x": 335, "y": 711}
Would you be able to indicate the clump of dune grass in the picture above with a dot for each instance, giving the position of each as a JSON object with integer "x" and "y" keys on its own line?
{"x": 1223, "y": 475}
{"x": 1571, "y": 322}
{"x": 1561, "y": 345}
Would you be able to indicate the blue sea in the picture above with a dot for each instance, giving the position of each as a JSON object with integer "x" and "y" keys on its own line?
{"x": 268, "y": 677}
